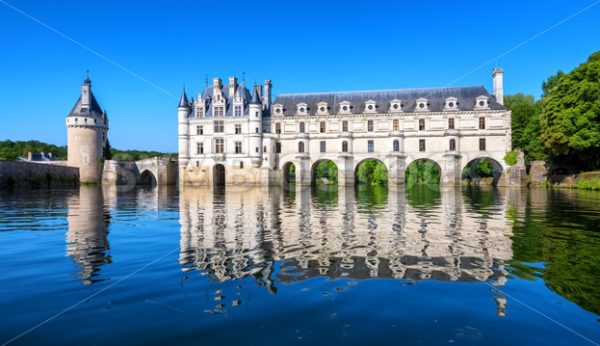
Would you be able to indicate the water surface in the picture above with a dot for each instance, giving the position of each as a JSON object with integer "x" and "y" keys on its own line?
{"x": 326, "y": 266}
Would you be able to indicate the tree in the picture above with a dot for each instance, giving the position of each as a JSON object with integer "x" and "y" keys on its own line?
{"x": 526, "y": 125}
{"x": 570, "y": 118}
{"x": 551, "y": 82}
{"x": 422, "y": 172}
{"x": 326, "y": 170}
{"x": 372, "y": 172}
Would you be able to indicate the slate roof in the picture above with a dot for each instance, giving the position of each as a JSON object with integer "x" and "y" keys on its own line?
{"x": 435, "y": 96}
{"x": 93, "y": 111}
{"x": 241, "y": 90}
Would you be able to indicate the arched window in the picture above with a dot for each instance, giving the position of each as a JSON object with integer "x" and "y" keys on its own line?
{"x": 396, "y": 145}
{"x": 300, "y": 147}
{"x": 452, "y": 145}
{"x": 344, "y": 147}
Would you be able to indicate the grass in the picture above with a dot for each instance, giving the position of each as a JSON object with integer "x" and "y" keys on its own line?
{"x": 588, "y": 184}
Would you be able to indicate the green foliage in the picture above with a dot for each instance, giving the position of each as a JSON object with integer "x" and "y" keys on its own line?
{"x": 326, "y": 172}
{"x": 526, "y": 125}
{"x": 551, "y": 82}
{"x": 372, "y": 172}
{"x": 422, "y": 172}
{"x": 570, "y": 118}
{"x": 291, "y": 173}
{"x": 588, "y": 184}
{"x": 10, "y": 150}
{"x": 511, "y": 157}
{"x": 482, "y": 168}
{"x": 108, "y": 151}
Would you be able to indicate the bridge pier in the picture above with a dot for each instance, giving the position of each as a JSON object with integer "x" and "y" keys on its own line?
{"x": 303, "y": 170}
{"x": 345, "y": 167}
{"x": 451, "y": 170}
{"x": 396, "y": 169}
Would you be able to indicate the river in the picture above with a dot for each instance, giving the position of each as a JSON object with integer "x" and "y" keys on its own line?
{"x": 327, "y": 265}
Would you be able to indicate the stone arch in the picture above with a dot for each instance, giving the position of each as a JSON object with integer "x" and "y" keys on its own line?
{"x": 315, "y": 165}
{"x": 363, "y": 161}
{"x": 469, "y": 170}
{"x": 287, "y": 178}
{"x": 426, "y": 176}
{"x": 147, "y": 178}
{"x": 218, "y": 171}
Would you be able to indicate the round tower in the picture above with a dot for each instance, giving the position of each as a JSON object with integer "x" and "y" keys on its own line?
{"x": 87, "y": 128}
{"x": 183, "y": 110}
{"x": 255, "y": 128}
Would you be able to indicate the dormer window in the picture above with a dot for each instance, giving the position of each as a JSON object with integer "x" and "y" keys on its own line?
{"x": 199, "y": 112}
{"x": 422, "y": 105}
{"x": 322, "y": 108}
{"x": 450, "y": 104}
{"x": 345, "y": 107}
{"x": 278, "y": 109}
{"x": 370, "y": 106}
{"x": 302, "y": 109}
{"x": 482, "y": 102}
{"x": 396, "y": 106}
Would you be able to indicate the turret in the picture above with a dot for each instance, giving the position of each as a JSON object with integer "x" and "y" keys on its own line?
{"x": 497, "y": 77}
{"x": 87, "y": 132}
{"x": 183, "y": 111}
{"x": 255, "y": 127}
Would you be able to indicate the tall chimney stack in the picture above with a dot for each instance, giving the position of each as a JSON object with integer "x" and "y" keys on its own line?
{"x": 232, "y": 86}
{"x": 497, "y": 76}
{"x": 267, "y": 98}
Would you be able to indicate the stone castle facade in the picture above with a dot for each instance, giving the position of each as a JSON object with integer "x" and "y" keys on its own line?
{"x": 231, "y": 134}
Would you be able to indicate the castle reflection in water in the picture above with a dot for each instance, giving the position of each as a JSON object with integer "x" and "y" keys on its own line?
{"x": 343, "y": 233}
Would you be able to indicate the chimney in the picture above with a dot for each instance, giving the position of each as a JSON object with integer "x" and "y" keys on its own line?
{"x": 267, "y": 98}
{"x": 232, "y": 86}
{"x": 497, "y": 76}
{"x": 217, "y": 83}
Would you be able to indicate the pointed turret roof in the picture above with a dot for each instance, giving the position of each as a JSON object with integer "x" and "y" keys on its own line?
{"x": 183, "y": 102}
{"x": 255, "y": 98}
{"x": 94, "y": 107}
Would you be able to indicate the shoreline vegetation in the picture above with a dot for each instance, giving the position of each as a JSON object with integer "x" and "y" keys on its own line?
{"x": 13, "y": 150}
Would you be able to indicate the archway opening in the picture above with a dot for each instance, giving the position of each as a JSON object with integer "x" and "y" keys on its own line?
{"x": 423, "y": 172}
{"x": 482, "y": 171}
{"x": 324, "y": 172}
{"x": 218, "y": 175}
{"x": 147, "y": 179}
{"x": 289, "y": 174}
{"x": 371, "y": 172}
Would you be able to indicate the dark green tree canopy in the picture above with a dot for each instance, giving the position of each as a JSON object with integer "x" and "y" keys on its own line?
{"x": 570, "y": 118}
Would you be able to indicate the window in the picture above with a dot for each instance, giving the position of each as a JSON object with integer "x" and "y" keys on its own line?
{"x": 237, "y": 111}
{"x": 421, "y": 145}
{"x": 238, "y": 129}
{"x": 301, "y": 130}
{"x": 219, "y": 145}
{"x": 256, "y": 114}
{"x": 323, "y": 146}
{"x": 452, "y": 145}
{"x": 238, "y": 147}
{"x": 482, "y": 144}
{"x": 482, "y": 123}
{"x": 241, "y": 164}
{"x": 277, "y": 127}
{"x": 219, "y": 127}
{"x": 396, "y": 124}
{"x": 322, "y": 127}
{"x": 371, "y": 146}
{"x": 451, "y": 123}
{"x": 256, "y": 130}
{"x": 200, "y": 148}
{"x": 278, "y": 147}
{"x": 370, "y": 125}
{"x": 199, "y": 112}
{"x": 345, "y": 126}
{"x": 256, "y": 149}
{"x": 219, "y": 111}
{"x": 199, "y": 130}
{"x": 300, "y": 147}
{"x": 396, "y": 145}
{"x": 344, "y": 147}
{"x": 421, "y": 124}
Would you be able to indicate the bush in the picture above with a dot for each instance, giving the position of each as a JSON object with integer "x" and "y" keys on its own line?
{"x": 511, "y": 157}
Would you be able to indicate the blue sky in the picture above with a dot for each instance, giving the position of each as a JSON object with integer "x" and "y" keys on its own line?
{"x": 301, "y": 46}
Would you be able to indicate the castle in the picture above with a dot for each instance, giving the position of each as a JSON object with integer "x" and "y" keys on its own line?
{"x": 230, "y": 134}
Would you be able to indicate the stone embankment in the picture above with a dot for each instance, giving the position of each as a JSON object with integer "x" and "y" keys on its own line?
{"x": 37, "y": 175}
